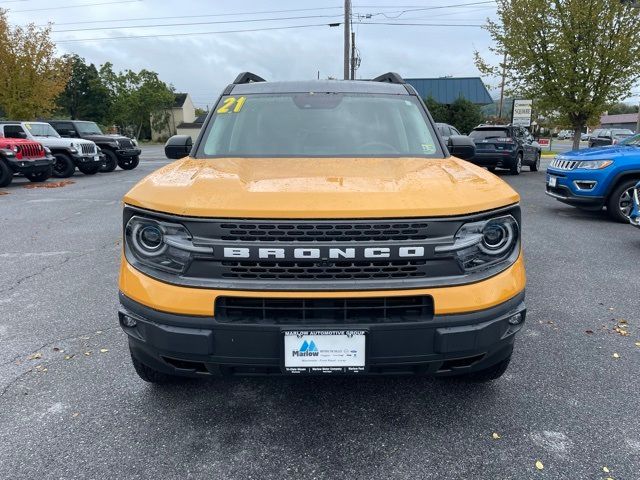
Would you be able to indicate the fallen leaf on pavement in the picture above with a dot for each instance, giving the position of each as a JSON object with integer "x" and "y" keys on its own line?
{"x": 605, "y": 469}
{"x": 539, "y": 465}
{"x": 35, "y": 356}
{"x": 75, "y": 414}
{"x": 588, "y": 331}
{"x": 69, "y": 357}
{"x": 104, "y": 350}
{"x": 615, "y": 355}
{"x": 637, "y": 344}
{"x": 87, "y": 353}
{"x": 495, "y": 436}
{"x": 56, "y": 349}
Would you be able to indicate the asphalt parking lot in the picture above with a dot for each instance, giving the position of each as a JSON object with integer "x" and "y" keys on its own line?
{"x": 71, "y": 405}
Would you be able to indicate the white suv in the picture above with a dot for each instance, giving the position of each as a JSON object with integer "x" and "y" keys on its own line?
{"x": 69, "y": 153}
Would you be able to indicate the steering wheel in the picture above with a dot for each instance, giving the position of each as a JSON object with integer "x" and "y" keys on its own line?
{"x": 378, "y": 147}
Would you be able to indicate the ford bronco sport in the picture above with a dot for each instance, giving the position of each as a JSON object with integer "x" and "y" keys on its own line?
{"x": 119, "y": 150}
{"x": 68, "y": 153}
{"x": 29, "y": 158}
{"x": 321, "y": 227}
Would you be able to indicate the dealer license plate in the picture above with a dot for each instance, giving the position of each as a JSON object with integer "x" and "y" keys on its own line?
{"x": 553, "y": 181}
{"x": 324, "y": 351}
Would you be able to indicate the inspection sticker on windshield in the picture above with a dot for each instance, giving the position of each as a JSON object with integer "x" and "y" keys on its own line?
{"x": 324, "y": 351}
{"x": 428, "y": 148}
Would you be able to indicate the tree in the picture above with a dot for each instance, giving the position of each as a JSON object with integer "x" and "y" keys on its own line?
{"x": 620, "y": 107}
{"x": 139, "y": 100}
{"x": 85, "y": 97}
{"x": 31, "y": 75}
{"x": 573, "y": 57}
{"x": 201, "y": 111}
{"x": 462, "y": 114}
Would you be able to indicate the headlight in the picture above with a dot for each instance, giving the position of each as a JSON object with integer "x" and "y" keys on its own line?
{"x": 15, "y": 148}
{"x": 594, "y": 164}
{"x": 160, "y": 245}
{"x": 47, "y": 150}
{"x": 484, "y": 244}
{"x": 134, "y": 142}
{"x": 73, "y": 150}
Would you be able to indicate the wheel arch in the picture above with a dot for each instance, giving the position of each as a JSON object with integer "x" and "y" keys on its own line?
{"x": 621, "y": 177}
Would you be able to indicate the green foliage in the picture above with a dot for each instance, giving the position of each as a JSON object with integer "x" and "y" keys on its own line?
{"x": 573, "y": 57}
{"x": 621, "y": 107}
{"x": 85, "y": 96}
{"x": 462, "y": 114}
{"x": 139, "y": 99}
{"x": 200, "y": 111}
{"x": 31, "y": 74}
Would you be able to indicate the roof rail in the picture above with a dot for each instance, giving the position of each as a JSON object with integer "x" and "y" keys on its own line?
{"x": 389, "y": 77}
{"x": 247, "y": 77}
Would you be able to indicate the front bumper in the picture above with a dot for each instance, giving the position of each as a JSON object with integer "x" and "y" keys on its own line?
{"x": 87, "y": 159}
{"x": 445, "y": 345}
{"x": 37, "y": 165}
{"x": 566, "y": 191}
{"x": 128, "y": 153}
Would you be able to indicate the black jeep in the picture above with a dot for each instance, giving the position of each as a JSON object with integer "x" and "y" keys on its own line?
{"x": 120, "y": 150}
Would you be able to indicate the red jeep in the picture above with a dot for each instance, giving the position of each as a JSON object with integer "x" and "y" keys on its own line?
{"x": 26, "y": 157}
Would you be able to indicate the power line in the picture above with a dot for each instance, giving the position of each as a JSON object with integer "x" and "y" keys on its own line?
{"x": 196, "y": 23}
{"x": 196, "y": 33}
{"x": 425, "y": 24}
{"x": 75, "y": 6}
{"x": 175, "y": 17}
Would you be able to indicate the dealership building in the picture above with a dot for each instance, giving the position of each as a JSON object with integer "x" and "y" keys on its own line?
{"x": 448, "y": 89}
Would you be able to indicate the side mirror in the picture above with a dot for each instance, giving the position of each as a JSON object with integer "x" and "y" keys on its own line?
{"x": 178, "y": 146}
{"x": 461, "y": 146}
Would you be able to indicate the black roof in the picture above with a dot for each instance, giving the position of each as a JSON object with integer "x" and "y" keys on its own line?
{"x": 320, "y": 86}
{"x": 179, "y": 99}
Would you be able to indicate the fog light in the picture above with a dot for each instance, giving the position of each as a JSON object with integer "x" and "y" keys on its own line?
{"x": 128, "y": 321}
{"x": 515, "y": 319}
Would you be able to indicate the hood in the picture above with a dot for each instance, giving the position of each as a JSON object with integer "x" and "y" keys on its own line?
{"x": 64, "y": 142}
{"x": 600, "y": 153}
{"x": 321, "y": 188}
{"x": 104, "y": 138}
{"x": 16, "y": 141}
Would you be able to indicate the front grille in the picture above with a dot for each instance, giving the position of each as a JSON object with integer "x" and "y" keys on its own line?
{"x": 561, "y": 164}
{"x": 88, "y": 148}
{"x": 125, "y": 144}
{"x": 325, "y": 311}
{"x": 31, "y": 150}
{"x": 317, "y": 271}
{"x": 322, "y": 232}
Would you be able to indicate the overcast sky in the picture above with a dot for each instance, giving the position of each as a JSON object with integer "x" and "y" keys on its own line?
{"x": 203, "y": 64}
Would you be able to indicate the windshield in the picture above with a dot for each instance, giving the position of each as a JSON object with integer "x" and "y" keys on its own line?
{"x": 633, "y": 141}
{"x": 41, "y": 130}
{"x": 88, "y": 128}
{"x": 319, "y": 124}
{"x": 623, "y": 132}
{"x": 489, "y": 133}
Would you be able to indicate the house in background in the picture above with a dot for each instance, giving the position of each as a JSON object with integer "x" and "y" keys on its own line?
{"x": 622, "y": 120}
{"x": 192, "y": 128}
{"x": 182, "y": 112}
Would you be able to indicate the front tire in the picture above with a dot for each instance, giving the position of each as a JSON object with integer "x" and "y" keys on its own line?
{"x": 535, "y": 166}
{"x": 90, "y": 169}
{"x": 40, "y": 176}
{"x": 63, "y": 167}
{"x": 151, "y": 375}
{"x": 128, "y": 163}
{"x": 489, "y": 374}
{"x": 111, "y": 163}
{"x": 516, "y": 167}
{"x": 620, "y": 202}
{"x": 6, "y": 175}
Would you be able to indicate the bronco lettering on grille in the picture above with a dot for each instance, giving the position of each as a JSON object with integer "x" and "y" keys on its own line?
{"x": 324, "y": 253}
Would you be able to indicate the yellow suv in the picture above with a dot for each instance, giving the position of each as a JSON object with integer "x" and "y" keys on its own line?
{"x": 321, "y": 227}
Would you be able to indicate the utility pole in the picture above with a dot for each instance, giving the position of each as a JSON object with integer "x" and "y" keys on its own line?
{"x": 353, "y": 56}
{"x": 504, "y": 73}
{"x": 347, "y": 28}
{"x": 638, "y": 121}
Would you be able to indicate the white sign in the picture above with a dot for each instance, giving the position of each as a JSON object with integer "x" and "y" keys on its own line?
{"x": 324, "y": 351}
{"x": 521, "y": 114}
